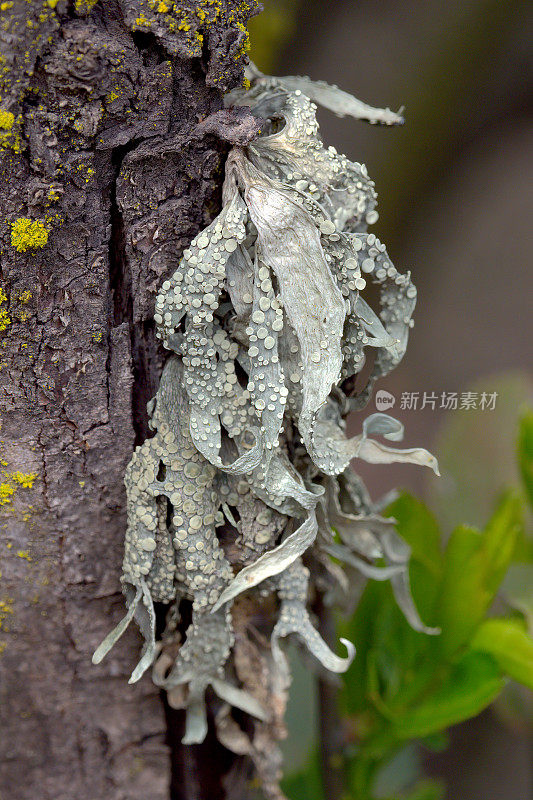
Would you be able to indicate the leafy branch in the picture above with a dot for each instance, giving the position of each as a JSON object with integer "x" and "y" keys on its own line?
{"x": 405, "y": 686}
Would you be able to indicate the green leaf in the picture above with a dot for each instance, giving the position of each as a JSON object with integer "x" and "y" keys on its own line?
{"x": 389, "y": 651}
{"x": 463, "y": 598}
{"x": 463, "y": 692}
{"x": 525, "y": 453}
{"x": 517, "y": 589}
{"x": 418, "y": 527}
{"x": 362, "y": 629}
{"x": 510, "y": 645}
{"x": 499, "y": 537}
{"x": 475, "y": 564}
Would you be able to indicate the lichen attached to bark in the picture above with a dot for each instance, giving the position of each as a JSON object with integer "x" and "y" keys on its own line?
{"x": 267, "y": 327}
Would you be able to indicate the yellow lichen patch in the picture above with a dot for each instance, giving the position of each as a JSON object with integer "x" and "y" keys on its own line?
{"x": 89, "y": 172}
{"x": 84, "y": 6}
{"x": 6, "y": 609}
{"x": 27, "y": 515}
{"x": 5, "y": 319}
{"x": 6, "y": 493}
{"x": 24, "y": 554}
{"x": 245, "y": 46}
{"x": 26, "y": 480}
{"x": 10, "y": 142}
{"x": 6, "y": 6}
{"x": 7, "y": 120}
{"x": 28, "y": 233}
{"x": 20, "y": 313}
{"x": 193, "y": 23}
{"x": 13, "y": 481}
{"x": 9, "y": 131}
{"x": 58, "y": 219}
{"x": 52, "y": 3}
{"x": 24, "y": 297}
{"x": 142, "y": 22}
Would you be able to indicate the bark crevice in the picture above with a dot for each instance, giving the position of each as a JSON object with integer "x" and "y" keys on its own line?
{"x": 120, "y": 282}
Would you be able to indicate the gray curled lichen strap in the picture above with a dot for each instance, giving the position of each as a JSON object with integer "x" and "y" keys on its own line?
{"x": 244, "y": 495}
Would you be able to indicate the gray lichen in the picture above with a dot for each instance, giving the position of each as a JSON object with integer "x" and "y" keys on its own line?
{"x": 267, "y": 328}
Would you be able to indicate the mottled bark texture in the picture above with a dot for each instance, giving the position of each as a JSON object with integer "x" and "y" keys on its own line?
{"x": 112, "y": 137}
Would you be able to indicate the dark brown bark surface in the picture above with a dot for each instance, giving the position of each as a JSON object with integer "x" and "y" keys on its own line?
{"x": 116, "y": 147}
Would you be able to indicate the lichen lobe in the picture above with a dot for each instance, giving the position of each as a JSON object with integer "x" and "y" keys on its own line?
{"x": 267, "y": 327}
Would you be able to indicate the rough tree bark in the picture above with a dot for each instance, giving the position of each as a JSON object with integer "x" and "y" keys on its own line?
{"x": 112, "y": 139}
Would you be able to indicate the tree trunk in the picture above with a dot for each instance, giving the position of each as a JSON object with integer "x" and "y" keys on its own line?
{"x": 112, "y": 155}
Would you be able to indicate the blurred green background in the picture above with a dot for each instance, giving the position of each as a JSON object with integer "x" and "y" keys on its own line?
{"x": 455, "y": 205}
